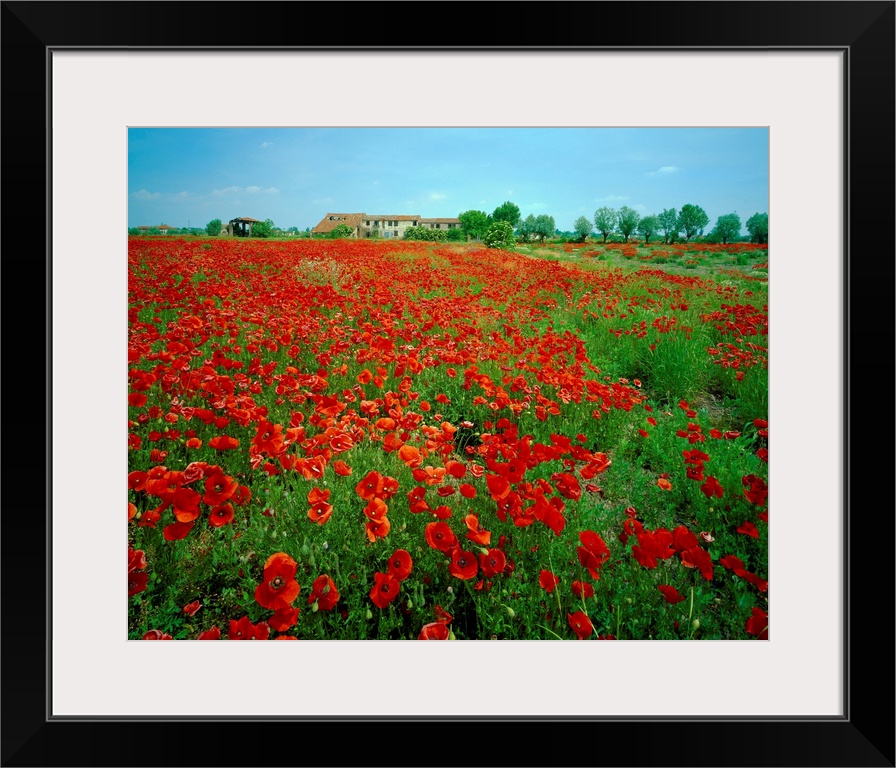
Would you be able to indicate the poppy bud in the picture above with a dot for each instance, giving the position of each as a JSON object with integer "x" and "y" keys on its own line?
{"x": 695, "y": 624}
{"x": 410, "y": 604}
{"x": 510, "y": 612}
{"x": 451, "y": 635}
{"x": 315, "y": 607}
{"x": 628, "y": 600}
{"x": 369, "y": 614}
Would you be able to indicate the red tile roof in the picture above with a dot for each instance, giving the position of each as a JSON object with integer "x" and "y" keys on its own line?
{"x": 332, "y": 220}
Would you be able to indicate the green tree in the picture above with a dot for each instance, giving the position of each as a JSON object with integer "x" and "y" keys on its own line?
{"x": 605, "y": 221}
{"x": 727, "y": 228}
{"x": 340, "y": 230}
{"x": 582, "y": 228}
{"x": 757, "y": 226}
{"x": 263, "y": 228}
{"x": 627, "y": 220}
{"x": 213, "y": 228}
{"x": 648, "y": 226}
{"x": 692, "y": 220}
{"x": 508, "y": 212}
{"x": 669, "y": 225}
{"x": 544, "y": 226}
{"x": 474, "y": 223}
{"x": 499, "y": 235}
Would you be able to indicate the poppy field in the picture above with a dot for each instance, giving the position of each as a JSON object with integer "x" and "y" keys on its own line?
{"x": 349, "y": 440}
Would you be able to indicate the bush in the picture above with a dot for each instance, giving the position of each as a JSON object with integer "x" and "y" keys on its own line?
{"x": 213, "y": 228}
{"x": 499, "y": 235}
{"x": 341, "y": 230}
{"x": 425, "y": 233}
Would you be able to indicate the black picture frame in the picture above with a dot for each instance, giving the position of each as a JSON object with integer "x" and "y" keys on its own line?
{"x": 864, "y": 736}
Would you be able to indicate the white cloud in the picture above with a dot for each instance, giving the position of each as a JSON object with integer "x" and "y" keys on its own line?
{"x": 266, "y": 144}
{"x": 253, "y": 189}
{"x": 436, "y": 196}
{"x": 146, "y": 195}
{"x": 664, "y": 170}
{"x": 611, "y": 199}
{"x": 181, "y": 195}
{"x": 226, "y": 191}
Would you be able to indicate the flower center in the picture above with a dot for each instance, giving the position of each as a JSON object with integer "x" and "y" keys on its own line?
{"x": 277, "y": 583}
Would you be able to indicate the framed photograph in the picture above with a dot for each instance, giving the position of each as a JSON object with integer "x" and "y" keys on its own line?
{"x": 817, "y": 76}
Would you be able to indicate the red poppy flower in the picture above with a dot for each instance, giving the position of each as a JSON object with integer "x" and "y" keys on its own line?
{"x": 224, "y": 443}
{"x": 385, "y": 589}
{"x": 410, "y": 456}
{"x": 664, "y": 484}
{"x": 157, "y": 634}
{"x": 221, "y": 515}
{"x": 442, "y": 615}
{"x": 370, "y": 485}
{"x": 580, "y": 624}
{"x": 683, "y": 539}
{"x": 712, "y": 488}
{"x": 582, "y": 589}
{"x": 749, "y": 529}
{"x": 319, "y": 513}
{"x": 191, "y": 608}
{"x": 467, "y": 491}
{"x": 324, "y": 592}
{"x": 279, "y": 587}
{"x": 341, "y": 468}
{"x": 283, "y": 618}
{"x": 378, "y": 529}
{"x": 755, "y": 489}
{"x": 671, "y": 594}
{"x": 567, "y": 485}
{"x": 210, "y": 634}
{"x": 498, "y": 486}
{"x": 434, "y": 631}
{"x": 463, "y": 565}
{"x": 177, "y": 531}
{"x": 400, "y": 564}
{"x": 492, "y": 563}
{"x": 698, "y": 558}
{"x": 455, "y": 469}
{"x": 440, "y": 536}
{"x": 219, "y": 488}
{"x": 185, "y": 504}
{"x": 243, "y": 629}
{"x": 137, "y": 582}
{"x": 475, "y": 532}
{"x": 376, "y": 509}
{"x": 548, "y": 581}
{"x": 757, "y": 624}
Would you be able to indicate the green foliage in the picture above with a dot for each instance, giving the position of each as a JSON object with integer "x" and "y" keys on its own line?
{"x": 544, "y": 226}
{"x": 627, "y": 221}
{"x": 669, "y": 225}
{"x": 605, "y": 221}
{"x": 426, "y": 234}
{"x": 508, "y": 212}
{"x": 648, "y": 226}
{"x": 582, "y": 228}
{"x": 340, "y": 231}
{"x": 727, "y": 228}
{"x": 499, "y": 235}
{"x": 455, "y": 235}
{"x": 213, "y": 228}
{"x": 474, "y": 223}
{"x": 692, "y": 220}
{"x": 757, "y": 226}
{"x": 263, "y": 228}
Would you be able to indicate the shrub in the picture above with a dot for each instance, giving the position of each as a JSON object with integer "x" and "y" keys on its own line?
{"x": 499, "y": 235}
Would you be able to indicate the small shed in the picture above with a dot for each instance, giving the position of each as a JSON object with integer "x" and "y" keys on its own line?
{"x": 241, "y": 227}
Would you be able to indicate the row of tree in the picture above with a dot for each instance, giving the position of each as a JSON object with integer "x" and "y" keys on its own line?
{"x": 477, "y": 224}
{"x": 690, "y": 222}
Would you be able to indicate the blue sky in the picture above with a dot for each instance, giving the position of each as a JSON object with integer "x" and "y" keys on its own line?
{"x": 294, "y": 176}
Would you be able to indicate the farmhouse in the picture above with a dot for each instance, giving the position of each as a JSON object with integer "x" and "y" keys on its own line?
{"x": 364, "y": 225}
{"x": 163, "y": 228}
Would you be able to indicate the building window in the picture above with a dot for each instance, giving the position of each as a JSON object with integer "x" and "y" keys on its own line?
{"x": 396, "y": 232}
